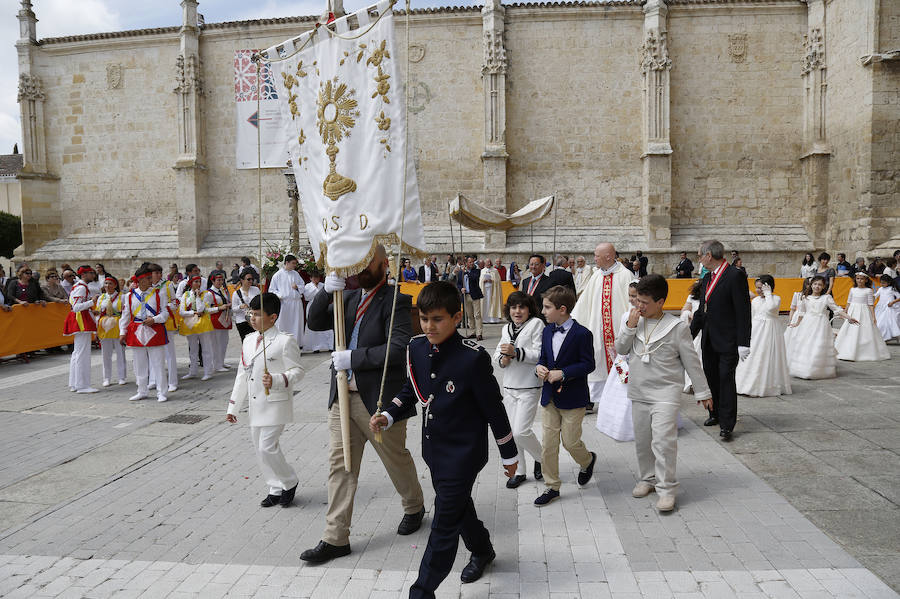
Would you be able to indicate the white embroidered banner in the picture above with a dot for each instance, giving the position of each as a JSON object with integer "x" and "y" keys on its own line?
{"x": 343, "y": 110}
{"x": 272, "y": 133}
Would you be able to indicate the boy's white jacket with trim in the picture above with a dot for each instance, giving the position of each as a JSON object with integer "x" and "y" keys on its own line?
{"x": 283, "y": 359}
{"x": 519, "y": 374}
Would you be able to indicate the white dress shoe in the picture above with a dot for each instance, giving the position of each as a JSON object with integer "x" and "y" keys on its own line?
{"x": 223, "y": 369}
{"x": 121, "y": 381}
{"x": 151, "y": 386}
{"x": 73, "y": 389}
{"x": 106, "y": 382}
{"x": 206, "y": 377}
{"x": 172, "y": 388}
{"x": 161, "y": 398}
{"x": 188, "y": 376}
{"x": 88, "y": 390}
{"x": 136, "y": 397}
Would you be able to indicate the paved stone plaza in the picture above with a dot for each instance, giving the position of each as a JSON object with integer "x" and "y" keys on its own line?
{"x": 99, "y": 498}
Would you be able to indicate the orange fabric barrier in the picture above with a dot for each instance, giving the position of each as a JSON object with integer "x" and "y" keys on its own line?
{"x": 31, "y": 327}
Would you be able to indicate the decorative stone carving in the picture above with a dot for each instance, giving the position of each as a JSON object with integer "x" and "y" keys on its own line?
{"x": 737, "y": 47}
{"x": 655, "y": 52}
{"x": 114, "y": 76}
{"x": 416, "y": 52}
{"x": 419, "y": 95}
{"x": 494, "y": 53}
{"x": 814, "y": 44}
{"x": 30, "y": 87}
{"x": 187, "y": 74}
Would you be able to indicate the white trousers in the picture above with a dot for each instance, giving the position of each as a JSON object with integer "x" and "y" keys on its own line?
{"x": 279, "y": 475}
{"x": 80, "y": 362}
{"x": 194, "y": 343}
{"x": 145, "y": 359}
{"x": 220, "y": 346}
{"x": 171, "y": 362}
{"x": 521, "y": 406}
{"x": 656, "y": 443}
{"x": 110, "y": 347}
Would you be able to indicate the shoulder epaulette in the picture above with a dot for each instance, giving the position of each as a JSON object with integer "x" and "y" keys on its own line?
{"x": 472, "y": 344}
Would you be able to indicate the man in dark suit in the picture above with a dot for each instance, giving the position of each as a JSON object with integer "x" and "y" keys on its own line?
{"x": 467, "y": 281}
{"x": 684, "y": 268}
{"x": 562, "y": 276}
{"x": 428, "y": 272}
{"x": 724, "y": 319}
{"x": 367, "y": 317}
{"x": 538, "y": 282}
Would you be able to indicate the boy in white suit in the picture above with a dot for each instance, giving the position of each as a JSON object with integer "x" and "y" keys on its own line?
{"x": 267, "y": 381}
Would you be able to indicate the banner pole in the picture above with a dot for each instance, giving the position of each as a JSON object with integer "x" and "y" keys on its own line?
{"x": 343, "y": 387}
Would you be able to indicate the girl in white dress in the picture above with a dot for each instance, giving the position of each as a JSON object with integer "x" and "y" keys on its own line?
{"x": 687, "y": 315}
{"x": 794, "y": 316}
{"x": 861, "y": 343}
{"x": 887, "y": 310}
{"x": 812, "y": 348}
{"x": 614, "y": 407}
{"x": 765, "y": 371}
{"x": 315, "y": 341}
{"x": 517, "y": 354}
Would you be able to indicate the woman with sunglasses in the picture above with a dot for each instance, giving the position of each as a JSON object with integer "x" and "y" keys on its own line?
{"x": 240, "y": 302}
{"x": 24, "y": 289}
{"x": 53, "y": 291}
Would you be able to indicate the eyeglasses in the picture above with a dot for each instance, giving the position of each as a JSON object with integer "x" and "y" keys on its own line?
{"x": 69, "y": 276}
{"x": 52, "y": 276}
{"x": 248, "y": 278}
{"x": 26, "y": 272}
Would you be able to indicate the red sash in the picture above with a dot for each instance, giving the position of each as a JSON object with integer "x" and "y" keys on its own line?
{"x": 714, "y": 279}
{"x": 159, "y": 330}
{"x": 609, "y": 332}
{"x": 220, "y": 320}
{"x": 81, "y": 321}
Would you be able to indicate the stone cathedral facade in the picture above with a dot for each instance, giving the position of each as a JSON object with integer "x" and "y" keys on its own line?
{"x": 773, "y": 125}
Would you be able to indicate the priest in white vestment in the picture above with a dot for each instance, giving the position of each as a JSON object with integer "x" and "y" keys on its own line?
{"x": 288, "y": 285}
{"x": 600, "y": 308}
{"x": 582, "y": 274}
{"x": 489, "y": 281}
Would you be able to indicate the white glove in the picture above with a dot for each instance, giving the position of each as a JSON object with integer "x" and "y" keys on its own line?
{"x": 766, "y": 290}
{"x": 334, "y": 283}
{"x": 341, "y": 359}
{"x": 743, "y": 352}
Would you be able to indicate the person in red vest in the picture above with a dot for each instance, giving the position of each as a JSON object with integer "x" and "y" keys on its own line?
{"x": 142, "y": 327}
{"x": 81, "y": 325}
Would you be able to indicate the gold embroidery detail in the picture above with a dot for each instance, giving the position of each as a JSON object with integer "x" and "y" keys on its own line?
{"x": 378, "y": 55}
{"x": 383, "y": 86}
{"x": 335, "y": 119}
{"x": 302, "y": 137}
{"x": 384, "y": 123}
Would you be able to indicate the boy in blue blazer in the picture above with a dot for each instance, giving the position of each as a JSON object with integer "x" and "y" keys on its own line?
{"x": 567, "y": 358}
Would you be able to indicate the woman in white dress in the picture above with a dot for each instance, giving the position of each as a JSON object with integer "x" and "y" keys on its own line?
{"x": 887, "y": 310}
{"x": 489, "y": 281}
{"x": 765, "y": 371}
{"x": 809, "y": 267}
{"x": 794, "y": 315}
{"x": 614, "y": 407}
{"x": 812, "y": 348}
{"x": 687, "y": 315}
{"x": 517, "y": 354}
{"x": 315, "y": 341}
{"x": 862, "y": 343}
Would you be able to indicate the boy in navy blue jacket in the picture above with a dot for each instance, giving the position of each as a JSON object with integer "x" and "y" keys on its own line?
{"x": 567, "y": 358}
{"x": 451, "y": 378}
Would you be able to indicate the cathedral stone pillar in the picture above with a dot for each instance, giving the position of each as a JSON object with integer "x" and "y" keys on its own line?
{"x": 656, "y": 179}
{"x": 816, "y": 150}
{"x": 494, "y": 157}
{"x": 41, "y": 215}
{"x": 190, "y": 186}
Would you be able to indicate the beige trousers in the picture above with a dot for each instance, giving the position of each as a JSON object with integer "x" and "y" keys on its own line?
{"x": 565, "y": 425}
{"x": 656, "y": 443}
{"x": 342, "y": 484}
{"x": 474, "y": 319}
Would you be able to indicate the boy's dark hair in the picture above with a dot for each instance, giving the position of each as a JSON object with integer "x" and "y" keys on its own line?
{"x": 539, "y": 257}
{"x": 818, "y": 278}
{"x": 189, "y": 267}
{"x": 267, "y": 302}
{"x": 560, "y": 296}
{"x": 290, "y": 258}
{"x": 653, "y": 285}
{"x": 768, "y": 280}
{"x": 520, "y": 298}
{"x": 437, "y": 295}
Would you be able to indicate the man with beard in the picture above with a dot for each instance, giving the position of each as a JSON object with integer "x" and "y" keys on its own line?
{"x": 367, "y": 317}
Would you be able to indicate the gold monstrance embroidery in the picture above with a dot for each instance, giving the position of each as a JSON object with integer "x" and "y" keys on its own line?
{"x": 335, "y": 118}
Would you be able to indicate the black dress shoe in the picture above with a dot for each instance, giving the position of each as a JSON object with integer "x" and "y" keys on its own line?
{"x": 270, "y": 500}
{"x": 538, "y": 473}
{"x": 515, "y": 481}
{"x": 547, "y": 497}
{"x": 411, "y": 523}
{"x": 475, "y": 568}
{"x": 726, "y": 435}
{"x": 323, "y": 552}
{"x": 584, "y": 477}
{"x": 287, "y": 497}
{"x": 711, "y": 421}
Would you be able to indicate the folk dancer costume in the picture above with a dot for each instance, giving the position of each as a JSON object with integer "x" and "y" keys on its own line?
{"x": 147, "y": 341}
{"x": 315, "y": 340}
{"x": 110, "y": 308}
{"x": 861, "y": 342}
{"x": 220, "y": 315}
{"x": 521, "y": 387}
{"x": 81, "y": 325}
{"x": 166, "y": 290}
{"x": 489, "y": 281}
{"x": 887, "y": 316}
{"x": 600, "y": 307}
{"x": 765, "y": 371}
{"x": 197, "y": 326}
{"x": 455, "y": 386}
{"x": 813, "y": 355}
{"x": 268, "y": 414}
{"x": 238, "y": 315}
{"x": 292, "y": 318}
{"x": 659, "y": 352}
